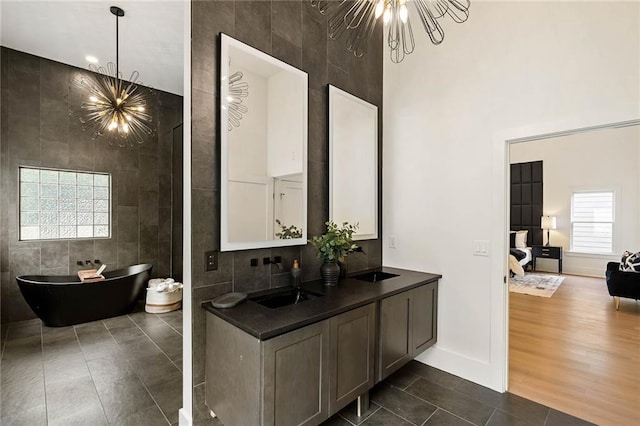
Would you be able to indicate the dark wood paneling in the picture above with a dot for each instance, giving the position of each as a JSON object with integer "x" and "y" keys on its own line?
{"x": 527, "y": 199}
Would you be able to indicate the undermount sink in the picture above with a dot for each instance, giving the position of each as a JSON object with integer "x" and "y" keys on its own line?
{"x": 374, "y": 276}
{"x": 289, "y": 296}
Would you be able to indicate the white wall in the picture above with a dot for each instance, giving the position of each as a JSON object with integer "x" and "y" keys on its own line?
{"x": 604, "y": 159}
{"x": 285, "y": 128}
{"x": 511, "y": 69}
{"x": 250, "y": 196}
{"x": 248, "y": 143}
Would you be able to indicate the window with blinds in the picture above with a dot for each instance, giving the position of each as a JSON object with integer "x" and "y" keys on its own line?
{"x": 592, "y": 219}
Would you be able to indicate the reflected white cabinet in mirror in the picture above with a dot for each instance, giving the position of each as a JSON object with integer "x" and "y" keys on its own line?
{"x": 353, "y": 162}
{"x": 263, "y": 167}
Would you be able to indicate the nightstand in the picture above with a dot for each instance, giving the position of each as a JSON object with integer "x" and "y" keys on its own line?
{"x": 547, "y": 252}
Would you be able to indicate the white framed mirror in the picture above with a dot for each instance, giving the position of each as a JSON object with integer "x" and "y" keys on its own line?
{"x": 353, "y": 162}
{"x": 263, "y": 123}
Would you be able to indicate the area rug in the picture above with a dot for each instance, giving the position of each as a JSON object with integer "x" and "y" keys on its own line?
{"x": 543, "y": 285}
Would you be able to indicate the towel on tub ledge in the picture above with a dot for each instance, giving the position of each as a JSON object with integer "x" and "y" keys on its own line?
{"x": 163, "y": 295}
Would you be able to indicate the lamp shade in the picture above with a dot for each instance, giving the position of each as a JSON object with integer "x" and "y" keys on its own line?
{"x": 548, "y": 222}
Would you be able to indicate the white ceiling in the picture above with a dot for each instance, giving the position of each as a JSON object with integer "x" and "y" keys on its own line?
{"x": 151, "y": 35}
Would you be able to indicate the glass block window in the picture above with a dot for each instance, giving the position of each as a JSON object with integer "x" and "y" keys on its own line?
{"x": 61, "y": 204}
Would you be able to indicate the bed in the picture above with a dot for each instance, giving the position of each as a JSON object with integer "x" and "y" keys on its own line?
{"x": 519, "y": 252}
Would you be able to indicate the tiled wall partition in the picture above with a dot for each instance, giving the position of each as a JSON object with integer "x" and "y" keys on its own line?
{"x": 38, "y": 131}
{"x": 296, "y": 33}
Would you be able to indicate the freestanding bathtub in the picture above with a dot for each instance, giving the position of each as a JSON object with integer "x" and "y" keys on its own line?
{"x": 64, "y": 300}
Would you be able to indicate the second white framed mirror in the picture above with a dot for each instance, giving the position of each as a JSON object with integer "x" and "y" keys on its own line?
{"x": 353, "y": 162}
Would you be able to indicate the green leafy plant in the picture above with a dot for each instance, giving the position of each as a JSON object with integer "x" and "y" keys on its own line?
{"x": 288, "y": 232}
{"x": 337, "y": 242}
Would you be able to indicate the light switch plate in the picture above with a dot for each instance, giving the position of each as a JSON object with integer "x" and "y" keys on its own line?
{"x": 481, "y": 248}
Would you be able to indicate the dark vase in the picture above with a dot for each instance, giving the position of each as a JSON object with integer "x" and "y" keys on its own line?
{"x": 330, "y": 272}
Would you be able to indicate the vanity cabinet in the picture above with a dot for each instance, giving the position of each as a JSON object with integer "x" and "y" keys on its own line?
{"x": 305, "y": 374}
{"x": 352, "y": 355}
{"x": 395, "y": 333}
{"x": 298, "y": 378}
{"x": 408, "y": 326}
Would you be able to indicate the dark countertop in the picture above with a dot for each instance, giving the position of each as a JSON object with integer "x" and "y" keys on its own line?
{"x": 264, "y": 323}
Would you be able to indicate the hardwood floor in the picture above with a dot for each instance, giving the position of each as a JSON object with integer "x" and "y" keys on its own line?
{"x": 574, "y": 352}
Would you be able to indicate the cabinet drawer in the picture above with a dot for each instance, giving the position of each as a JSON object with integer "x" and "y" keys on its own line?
{"x": 550, "y": 252}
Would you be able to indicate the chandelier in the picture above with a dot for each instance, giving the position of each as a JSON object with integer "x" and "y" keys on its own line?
{"x": 358, "y": 18}
{"x": 238, "y": 89}
{"x": 115, "y": 108}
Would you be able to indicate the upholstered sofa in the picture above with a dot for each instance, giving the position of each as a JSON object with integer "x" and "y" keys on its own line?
{"x": 622, "y": 283}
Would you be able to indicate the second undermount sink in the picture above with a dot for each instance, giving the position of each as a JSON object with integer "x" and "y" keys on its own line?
{"x": 374, "y": 276}
{"x": 288, "y": 296}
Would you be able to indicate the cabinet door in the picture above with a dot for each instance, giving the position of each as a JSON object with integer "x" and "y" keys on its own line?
{"x": 295, "y": 368}
{"x": 352, "y": 355}
{"x": 395, "y": 333}
{"x": 425, "y": 317}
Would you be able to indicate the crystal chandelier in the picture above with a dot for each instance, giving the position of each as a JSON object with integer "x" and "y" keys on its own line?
{"x": 115, "y": 108}
{"x": 357, "y": 18}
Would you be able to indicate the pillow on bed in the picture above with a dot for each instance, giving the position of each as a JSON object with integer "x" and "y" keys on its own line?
{"x": 512, "y": 239}
{"x": 630, "y": 262}
{"x": 521, "y": 239}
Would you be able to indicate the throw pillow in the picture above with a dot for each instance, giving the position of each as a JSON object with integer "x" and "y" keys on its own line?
{"x": 630, "y": 262}
{"x": 512, "y": 239}
{"x": 521, "y": 239}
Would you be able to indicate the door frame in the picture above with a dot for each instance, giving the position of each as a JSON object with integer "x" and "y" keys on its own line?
{"x": 502, "y": 141}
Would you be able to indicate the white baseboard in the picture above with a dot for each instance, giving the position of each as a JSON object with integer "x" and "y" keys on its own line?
{"x": 184, "y": 419}
{"x": 474, "y": 370}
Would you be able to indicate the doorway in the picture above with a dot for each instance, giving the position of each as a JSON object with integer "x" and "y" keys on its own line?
{"x": 572, "y": 351}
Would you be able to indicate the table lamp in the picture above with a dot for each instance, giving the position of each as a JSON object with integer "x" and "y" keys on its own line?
{"x": 548, "y": 222}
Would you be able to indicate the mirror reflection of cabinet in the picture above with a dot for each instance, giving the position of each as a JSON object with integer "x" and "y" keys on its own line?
{"x": 263, "y": 122}
{"x": 353, "y": 162}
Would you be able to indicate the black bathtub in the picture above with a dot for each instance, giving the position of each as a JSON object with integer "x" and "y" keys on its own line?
{"x": 64, "y": 300}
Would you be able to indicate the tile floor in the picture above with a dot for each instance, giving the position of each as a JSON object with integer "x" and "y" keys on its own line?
{"x": 422, "y": 395}
{"x": 126, "y": 371}
{"x": 119, "y": 371}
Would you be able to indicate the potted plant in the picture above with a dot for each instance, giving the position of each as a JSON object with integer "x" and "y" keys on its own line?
{"x": 288, "y": 232}
{"x": 332, "y": 248}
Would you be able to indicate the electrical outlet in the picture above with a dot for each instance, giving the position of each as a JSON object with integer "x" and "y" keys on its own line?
{"x": 254, "y": 262}
{"x": 210, "y": 260}
{"x": 277, "y": 259}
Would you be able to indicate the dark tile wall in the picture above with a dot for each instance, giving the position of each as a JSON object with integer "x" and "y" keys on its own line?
{"x": 37, "y": 130}
{"x": 297, "y": 34}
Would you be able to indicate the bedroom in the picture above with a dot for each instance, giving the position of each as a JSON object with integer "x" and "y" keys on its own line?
{"x": 604, "y": 161}
{"x": 568, "y": 327}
